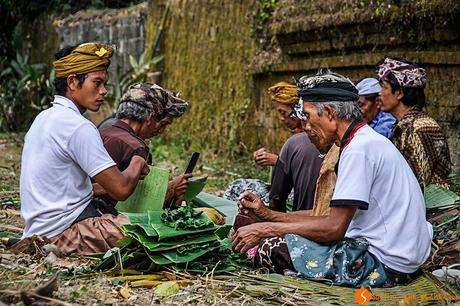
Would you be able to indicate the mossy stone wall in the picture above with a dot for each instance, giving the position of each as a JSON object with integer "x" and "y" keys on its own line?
{"x": 350, "y": 37}
{"x": 208, "y": 46}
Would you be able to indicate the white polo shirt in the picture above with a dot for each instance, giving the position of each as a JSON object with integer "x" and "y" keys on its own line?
{"x": 62, "y": 150}
{"x": 374, "y": 175}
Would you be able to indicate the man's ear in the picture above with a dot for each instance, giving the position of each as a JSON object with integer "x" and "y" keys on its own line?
{"x": 399, "y": 94}
{"x": 72, "y": 82}
{"x": 150, "y": 119}
{"x": 329, "y": 112}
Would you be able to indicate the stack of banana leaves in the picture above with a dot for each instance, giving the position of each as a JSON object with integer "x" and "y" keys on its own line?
{"x": 183, "y": 239}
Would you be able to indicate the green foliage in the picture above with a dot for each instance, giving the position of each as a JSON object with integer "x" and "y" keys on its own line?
{"x": 25, "y": 90}
{"x": 266, "y": 9}
{"x": 221, "y": 172}
{"x": 138, "y": 73}
{"x": 165, "y": 246}
{"x": 185, "y": 218}
{"x": 208, "y": 66}
{"x": 437, "y": 197}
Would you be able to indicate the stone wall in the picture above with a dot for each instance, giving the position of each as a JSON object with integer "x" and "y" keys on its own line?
{"x": 212, "y": 57}
{"x": 208, "y": 46}
{"x": 124, "y": 28}
{"x": 351, "y": 38}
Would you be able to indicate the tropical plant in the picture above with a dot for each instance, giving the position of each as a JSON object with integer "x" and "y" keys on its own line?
{"x": 25, "y": 90}
{"x": 140, "y": 71}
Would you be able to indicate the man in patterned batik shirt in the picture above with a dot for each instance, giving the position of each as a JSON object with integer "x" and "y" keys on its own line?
{"x": 417, "y": 136}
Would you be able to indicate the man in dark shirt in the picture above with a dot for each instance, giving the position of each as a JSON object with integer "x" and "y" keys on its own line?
{"x": 297, "y": 167}
{"x": 145, "y": 111}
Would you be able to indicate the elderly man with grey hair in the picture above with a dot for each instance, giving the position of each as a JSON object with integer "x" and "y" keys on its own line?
{"x": 376, "y": 233}
{"x": 145, "y": 110}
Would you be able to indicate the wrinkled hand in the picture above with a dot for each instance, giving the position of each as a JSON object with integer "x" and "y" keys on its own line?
{"x": 247, "y": 237}
{"x": 251, "y": 205}
{"x": 264, "y": 158}
{"x": 179, "y": 184}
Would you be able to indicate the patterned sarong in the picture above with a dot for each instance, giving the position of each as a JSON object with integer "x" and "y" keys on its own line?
{"x": 346, "y": 263}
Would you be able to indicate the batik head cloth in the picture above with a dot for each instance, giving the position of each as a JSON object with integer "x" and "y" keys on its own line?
{"x": 407, "y": 74}
{"x": 325, "y": 86}
{"x": 160, "y": 101}
{"x": 284, "y": 93}
{"x": 85, "y": 58}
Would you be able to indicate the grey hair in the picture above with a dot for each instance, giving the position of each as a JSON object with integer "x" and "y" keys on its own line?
{"x": 133, "y": 111}
{"x": 345, "y": 110}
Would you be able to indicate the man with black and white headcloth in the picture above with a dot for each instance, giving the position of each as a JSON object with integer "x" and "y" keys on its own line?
{"x": 376, "y": 233}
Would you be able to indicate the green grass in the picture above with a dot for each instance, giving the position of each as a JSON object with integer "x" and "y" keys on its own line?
{"x": 220, "y": 172}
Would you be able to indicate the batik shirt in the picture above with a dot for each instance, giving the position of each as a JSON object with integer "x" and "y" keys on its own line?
{"x": 383, "y": 124}
{"x": 420, "y": 140}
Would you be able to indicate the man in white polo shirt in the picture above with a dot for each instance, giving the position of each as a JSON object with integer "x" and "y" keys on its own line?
{"x": 63, "y": 151}
{"x": 376, "y": 233}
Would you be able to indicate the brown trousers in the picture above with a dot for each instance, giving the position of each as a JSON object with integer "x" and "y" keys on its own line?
{"x": 92, "y": 235}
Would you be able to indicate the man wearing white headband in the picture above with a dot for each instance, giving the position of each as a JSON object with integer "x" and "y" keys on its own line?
{"x": 381, "y": 122}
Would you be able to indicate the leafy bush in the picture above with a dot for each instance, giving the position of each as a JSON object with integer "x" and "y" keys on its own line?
{"x": 25, "y": 90}
{"x": 138, "y": 73}
{"x": 266, "y": 9}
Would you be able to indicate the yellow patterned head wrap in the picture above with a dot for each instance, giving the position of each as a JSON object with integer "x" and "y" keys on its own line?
{"x": 89, "y": 57}
{"x": 284, "y": 93}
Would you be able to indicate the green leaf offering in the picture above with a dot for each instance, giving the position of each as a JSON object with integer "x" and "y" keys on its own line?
{"x": 185, "y": 218}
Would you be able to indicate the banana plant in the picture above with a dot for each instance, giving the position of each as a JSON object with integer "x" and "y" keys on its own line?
{"x": 138, "y": 72}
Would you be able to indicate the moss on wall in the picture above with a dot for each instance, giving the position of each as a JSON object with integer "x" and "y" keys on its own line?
{"x": 208, "y": 47}
{"x": 41, "y": 39}
{"x": 350, "y": 37}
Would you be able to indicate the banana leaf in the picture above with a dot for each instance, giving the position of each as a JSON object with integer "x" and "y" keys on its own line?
{"x": 223, "y": 231}
{"x": 199, "y": 251}
{"x": 142, "y": 220}
{"x": 195, "y": 186}
{"x": 158, "y": 258}
{"x": 218, "y": 261}
{"x": 166, "y": 232}
{"x": 153, "y": 245}
{"x": 437, "y": 197}
{"x": 226, "y": 207}
{"x": 149, "y": 194}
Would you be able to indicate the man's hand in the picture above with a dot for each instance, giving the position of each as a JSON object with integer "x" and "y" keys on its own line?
{"x": 179, "y": 184}
{"x": 264, "y": 158}
{"x": 145, "y": 170}
{"x": 249, "y": 204}
{"x": 247, "y": 237}
{"x": 120, "y": 185}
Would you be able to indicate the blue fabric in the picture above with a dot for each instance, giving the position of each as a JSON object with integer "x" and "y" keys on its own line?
{"x": 383, "y": 124}
{"x": 368, "y": 86}
{"x": 346, "y": 263}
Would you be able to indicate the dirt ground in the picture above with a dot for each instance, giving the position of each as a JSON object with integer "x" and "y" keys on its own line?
{"x": 28, "y": 278}
{"x": 22, "y": 274}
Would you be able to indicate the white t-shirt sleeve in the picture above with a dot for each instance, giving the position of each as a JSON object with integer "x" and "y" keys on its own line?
{"x": 354, "y": 180}
{"x": 85, "y": 147}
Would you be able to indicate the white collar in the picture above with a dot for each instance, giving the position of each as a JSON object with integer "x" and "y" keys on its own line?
{"x": 64, "y": 101}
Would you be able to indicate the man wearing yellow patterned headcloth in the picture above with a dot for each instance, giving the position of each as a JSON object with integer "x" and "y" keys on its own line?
{"x": 63, "y": 151}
